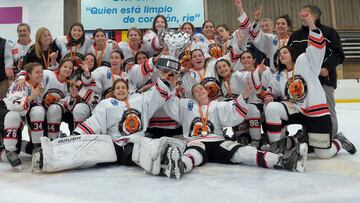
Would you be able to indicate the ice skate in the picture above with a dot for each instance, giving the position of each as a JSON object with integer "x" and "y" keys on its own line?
{"x": 37, "y": 160}
{"x": 294, "y": 159}
{"x": 346, "y": 144}
{"x": 172, "y": 164}
{"x": 13, "y": 159}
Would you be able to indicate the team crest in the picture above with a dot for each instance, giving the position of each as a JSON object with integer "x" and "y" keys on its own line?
{"x": 197, "y": 128}
{"x": 190, "y": 105}
{"x": 130, "y": 123}
{"x": 114, "y": 102}
{"x": 296, "y": 90}
{"x": 213, "y": 87}
{"x": 108, "y": 75}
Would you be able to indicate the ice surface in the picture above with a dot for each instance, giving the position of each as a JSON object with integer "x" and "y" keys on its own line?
{"x": 333, "y": 180}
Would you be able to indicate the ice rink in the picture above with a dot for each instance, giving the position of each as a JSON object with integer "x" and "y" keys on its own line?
{"x": 333, "y": 180}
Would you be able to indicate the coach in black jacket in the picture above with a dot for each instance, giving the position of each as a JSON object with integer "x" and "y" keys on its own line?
{"x": 334, "y": 56}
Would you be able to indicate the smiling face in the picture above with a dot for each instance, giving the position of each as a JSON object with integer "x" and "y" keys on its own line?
{"x": 267, "y": 26}
{"x": 200, "y": 94}
{"x": 134, "y": 37}
{"x": 208, "y": 30}
{"x": 66, "y": 69}
{"x": 160, "y": 24}
{"x": 90, "y": 62}
{"x": 281, "y": 26}
{"x": 100, "y": 38}
{"x": 140, "y": 58}
{"x": 45, "y": 38}
{"x": 76, "y": 32}
{"x": 36, "y": 75}
{"x": 187, "y": 29}
{"x": 285, "y": 57}
{"x": 23, "y": 32}
{"x": 115, "y": 60}
{"x": 247, "y": 60}
{"x": 198, "y": 59}
{"x": 120, "y": 91}
{"x": 223, "y": 69}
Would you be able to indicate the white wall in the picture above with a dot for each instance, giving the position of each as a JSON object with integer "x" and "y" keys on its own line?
{"x": 37, "y": 13}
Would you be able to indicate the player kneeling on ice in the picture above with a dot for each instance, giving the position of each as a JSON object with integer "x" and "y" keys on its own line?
{"x": 203, "y": 122}
{"x": 115, "y": 134}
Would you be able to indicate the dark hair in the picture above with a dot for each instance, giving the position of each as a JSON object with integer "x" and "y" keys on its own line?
{"x": 154, "y": 22}
{"x": 221, "y": 60}
{"x": 98, "y": 30}
{"x": 119, "y": 52}
{"x": 29, "y": 67}
{"x": 72, "y": 41}
{"x": 288, "y": 21}
{"x": 95, "y": 60}
{"x": 137, "y": 54}
{"x": 115, "y": 83}
{"x": 293, "y": 53}
{"x": 250, "y": 52}
{"x": 195, "y": 85}
{"x": 188, "y": 23}
{"x": 136, "y": 30}
{"x": 24, "y": 24}
{"x": 315, "y": 10}
{"x": 191, "y": 53}
{"x": 207, "y": 21}
{"x": 64, "y": 61}
{"x": 226, "y": 27}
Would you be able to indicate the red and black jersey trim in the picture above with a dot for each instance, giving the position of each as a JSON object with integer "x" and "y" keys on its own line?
{"x": 274, "y": 128}
{"x": 162, "y": 92}
{"x": 260, "y": 159}
{"x": 316, "y": 110}
{"x": 241, "y": 110}
{"x": 85, "y": 128}
{"x": 317, "y": 42}
{"x": 162, "y": 121}
{"x": 253, "y": 34}
{"x": 244, "y": 24}
{"x": 145, "y": 68}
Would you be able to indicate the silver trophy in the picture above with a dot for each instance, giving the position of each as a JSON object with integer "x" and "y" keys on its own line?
{"x": 176, "y": 42}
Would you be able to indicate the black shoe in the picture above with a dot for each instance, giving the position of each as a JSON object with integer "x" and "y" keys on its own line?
{"x": 13, "y": 159}
{"x": 346, "y": 144}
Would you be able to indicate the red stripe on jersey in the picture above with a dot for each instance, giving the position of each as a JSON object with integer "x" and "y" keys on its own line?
{"x": 320, "y": 40}
{"x": 316, "y": 45}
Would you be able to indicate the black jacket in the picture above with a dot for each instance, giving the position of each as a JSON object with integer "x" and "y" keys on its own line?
{"x": 334, "y": 54}
{"x": 31, "y": 55}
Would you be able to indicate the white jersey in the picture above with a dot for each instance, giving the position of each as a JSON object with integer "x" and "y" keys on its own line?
{"x": 207, "y": 76}
{"x": 214, "y": 47}
{"x": 129, "y": 54}
{"x": 19, "y": 51}
{"x": 302, "y": 86}
{"x": 220, "y": 115}
{"x": 235, "y": 85}
{"x": 104, "y": 79}
{"x": 79, "y": 51}
{"x": 56, "y": 91}
{"x": 269, "y": 44}
{"x": 17, "y": 100}
{"x": 194, "y": 45}
{"x": 152, "y": 43}
{"x": 102, "y": 55}
{"x": 89, "y": 91}
{"x": 112, "y": 117}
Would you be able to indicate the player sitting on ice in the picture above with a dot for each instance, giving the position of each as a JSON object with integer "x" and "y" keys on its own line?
{"x": 203, "y": 121}
{"x": 115, "y": 134}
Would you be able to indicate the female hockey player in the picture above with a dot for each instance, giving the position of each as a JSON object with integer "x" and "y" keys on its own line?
{"x": 105, "y": 76}
{"x": 101, "y": 48}
{"x": 233, "y": 83}
{"x": 151, "y": 39}
{"x": 208, "y": 37}
{"x": 203, "y": 121}
{"x": 14, "y": 108}
{"x": 224, "y": 34}
{"x": 75, "y": 44}
{"x": 131, "y": 47}
{"x": 303, "y": 99}
{"x": 115, "y": 134}
{"x": 43, "y": 51}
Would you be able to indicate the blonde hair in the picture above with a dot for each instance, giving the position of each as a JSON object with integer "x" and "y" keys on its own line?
{"x": 38, "y": 48}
